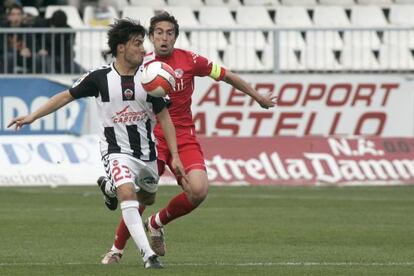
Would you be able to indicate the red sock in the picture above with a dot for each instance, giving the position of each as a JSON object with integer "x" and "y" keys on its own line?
{"x": 122, "y": 234}
{"x": 177, "y": 207}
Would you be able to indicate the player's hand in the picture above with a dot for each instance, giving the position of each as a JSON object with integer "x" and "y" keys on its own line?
{"x": 267, "y": 101}
{"x": 179, "y": 170}
{"x": 20, "y": 121}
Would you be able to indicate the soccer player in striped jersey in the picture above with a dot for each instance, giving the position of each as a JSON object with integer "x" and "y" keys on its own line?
{"x": 128, "y": 116}
{"x": 163, "y": 33}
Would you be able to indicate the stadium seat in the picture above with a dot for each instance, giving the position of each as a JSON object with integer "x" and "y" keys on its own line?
{"x": 242, "y": 59}
{"x": 143, "y": 14}
{"x": 365, "y": 38}
{"x": 261, "y": 2}
{"x": 368, "y": 16}
{"x": 184, "y": 15}
{"x": 99, "y": 17}
{"x": 188, "y": 3}
{"x": 337, "y": 2}
{"x": 206, "y": 14}
{"x": 292, "y": 17}
{"x": 74, "y": 19}
{"x": 152, "y": 3}
{"x": 359, "y": 58}
{"x": 299, "y": 2}
{"x": 288, "y": 59}
{"x": 330, "y": 16}
{"x": 402, "y": 38}
{"x": 402, "y": 15}
{"x": 254, "y": 16}
{"x": 119, "y": 5}
{"x": 409, "y": 2}
{"x": 228, "y": 3}
{"x": 33, "y": 11}
{"x": 324, "y": 38}
{"x": 374, "y": 2}
{"x": 319, "y": 58}
{"x": 395, "y": 58}
{"x": 89, "y": 48}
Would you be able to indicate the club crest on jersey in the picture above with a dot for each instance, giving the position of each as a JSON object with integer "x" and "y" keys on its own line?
{"x": 128, "y": 94}
{"x": 115, "y": 163}
{"x": 179, "y": 73}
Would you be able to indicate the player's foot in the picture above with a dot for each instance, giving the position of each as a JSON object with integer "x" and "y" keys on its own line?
{"x": 110, "y": 201}
{"x": 156, "y": 238}
{"x": 112, "y": 257}
{"x": 153, "y": 262}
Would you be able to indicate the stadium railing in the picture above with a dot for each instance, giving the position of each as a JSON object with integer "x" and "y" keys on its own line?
{"x": 272, "y": 50}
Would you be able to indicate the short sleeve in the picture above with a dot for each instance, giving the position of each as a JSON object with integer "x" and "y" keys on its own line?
{"x": 85, "y": 86}
{"x": 205, "y": 67}
{"x": 158, "y": 103}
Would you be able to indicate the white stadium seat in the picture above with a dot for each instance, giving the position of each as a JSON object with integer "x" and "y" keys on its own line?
{"x": 143, "y": 14}
{"x": 255, "y": 16}
{"x": 292, "y": 17}
{"x": 289, "y": 59}
{"x": 409, "y": 2}
{"x": 261, "y": 2}
{"x": 359, "y": 58}
{"x": 152, "y": 3}
{"x": 402, "y": 15}
{"x": 242, "y": 59}
{"x": 228, "y": 3}
{"x": 319, "y": 58}
{"x": 330, "y": 16}
{"x": 184, "y": 15}
{"x": 367, "y": 16}
{"x": 208, "y": 17}
{"x": 188, "y": 3}
{"x": 374, "y": 2}
{"x": 299, "y": 2}
{"x": 117, "y": 4}
{"x": 395, "y": 58}
{"x": 402, "y": 38}
{"x": 74, "y": 19}
{"x": 33, "y": 11}
{"x": 337, "y": 2}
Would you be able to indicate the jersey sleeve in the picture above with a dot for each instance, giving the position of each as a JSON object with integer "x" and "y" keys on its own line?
{"x": 158, "y": 103}
{"x": 85, "y": 86}
{"x": 205, "y": 67}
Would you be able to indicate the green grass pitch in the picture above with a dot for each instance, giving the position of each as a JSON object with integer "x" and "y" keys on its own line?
{"x": 237, "y": 231}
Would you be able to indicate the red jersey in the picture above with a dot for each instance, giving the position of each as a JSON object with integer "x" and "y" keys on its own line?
{"x": 186, "y": 65}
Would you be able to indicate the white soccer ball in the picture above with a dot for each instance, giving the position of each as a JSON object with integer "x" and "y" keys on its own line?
{"x": 158, "y": 79}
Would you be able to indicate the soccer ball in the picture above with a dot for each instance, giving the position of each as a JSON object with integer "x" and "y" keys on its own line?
{"x": 158, "y": 79}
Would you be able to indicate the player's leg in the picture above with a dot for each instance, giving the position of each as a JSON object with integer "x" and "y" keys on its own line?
{"x": 122, "y": 170}
{"x": 195, "y": 191}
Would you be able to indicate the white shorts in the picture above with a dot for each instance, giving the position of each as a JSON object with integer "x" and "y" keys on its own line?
{"x": 124, "y": 168}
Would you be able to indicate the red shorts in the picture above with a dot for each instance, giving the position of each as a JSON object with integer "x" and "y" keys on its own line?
{"x": 189, "y": 151}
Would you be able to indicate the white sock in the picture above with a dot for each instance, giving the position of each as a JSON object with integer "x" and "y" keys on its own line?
{"x": 133, "y": 222}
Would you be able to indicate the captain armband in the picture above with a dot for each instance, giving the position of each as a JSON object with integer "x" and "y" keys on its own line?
{"x": 217, "y": 72}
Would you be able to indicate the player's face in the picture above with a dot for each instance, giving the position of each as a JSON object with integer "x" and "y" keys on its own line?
{"x": 134, "y": 51}
{"x": 163, "y": 38}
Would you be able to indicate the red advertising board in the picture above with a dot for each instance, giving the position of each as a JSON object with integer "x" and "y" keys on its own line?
{"x": 309, "y": 160}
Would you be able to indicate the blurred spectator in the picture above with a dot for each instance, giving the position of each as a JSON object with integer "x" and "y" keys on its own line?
{"x": 60, "y": 46}
{"x": 16, "y": 51}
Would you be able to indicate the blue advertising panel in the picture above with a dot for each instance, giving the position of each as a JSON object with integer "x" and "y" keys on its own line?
{"x": 21, "y": 96}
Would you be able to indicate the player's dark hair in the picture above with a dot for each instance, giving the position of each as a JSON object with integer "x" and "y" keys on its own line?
{"x": 14, "y": 6}
{"x": 164, "y": 16}
{"x": 122, "y": 31}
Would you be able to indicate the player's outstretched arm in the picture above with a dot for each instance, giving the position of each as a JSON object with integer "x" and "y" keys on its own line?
{"x": 265, "y": 101}
{"x": 54, "y": 103}
{"x": 168, "y": 129}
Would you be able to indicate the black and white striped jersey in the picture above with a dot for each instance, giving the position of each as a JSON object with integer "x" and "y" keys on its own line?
{"x": 126, "y": 111}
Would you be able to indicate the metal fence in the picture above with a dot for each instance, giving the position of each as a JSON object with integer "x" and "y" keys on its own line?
{"x": 277, "y": 50}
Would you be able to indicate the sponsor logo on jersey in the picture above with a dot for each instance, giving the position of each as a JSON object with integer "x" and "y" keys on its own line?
{"x": 125, "y": 116}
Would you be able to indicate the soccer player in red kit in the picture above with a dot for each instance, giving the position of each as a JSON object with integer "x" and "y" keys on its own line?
{"x": 163, "y": 33}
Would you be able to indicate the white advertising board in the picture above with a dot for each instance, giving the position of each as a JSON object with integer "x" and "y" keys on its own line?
{"x": 308, "y": 105}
